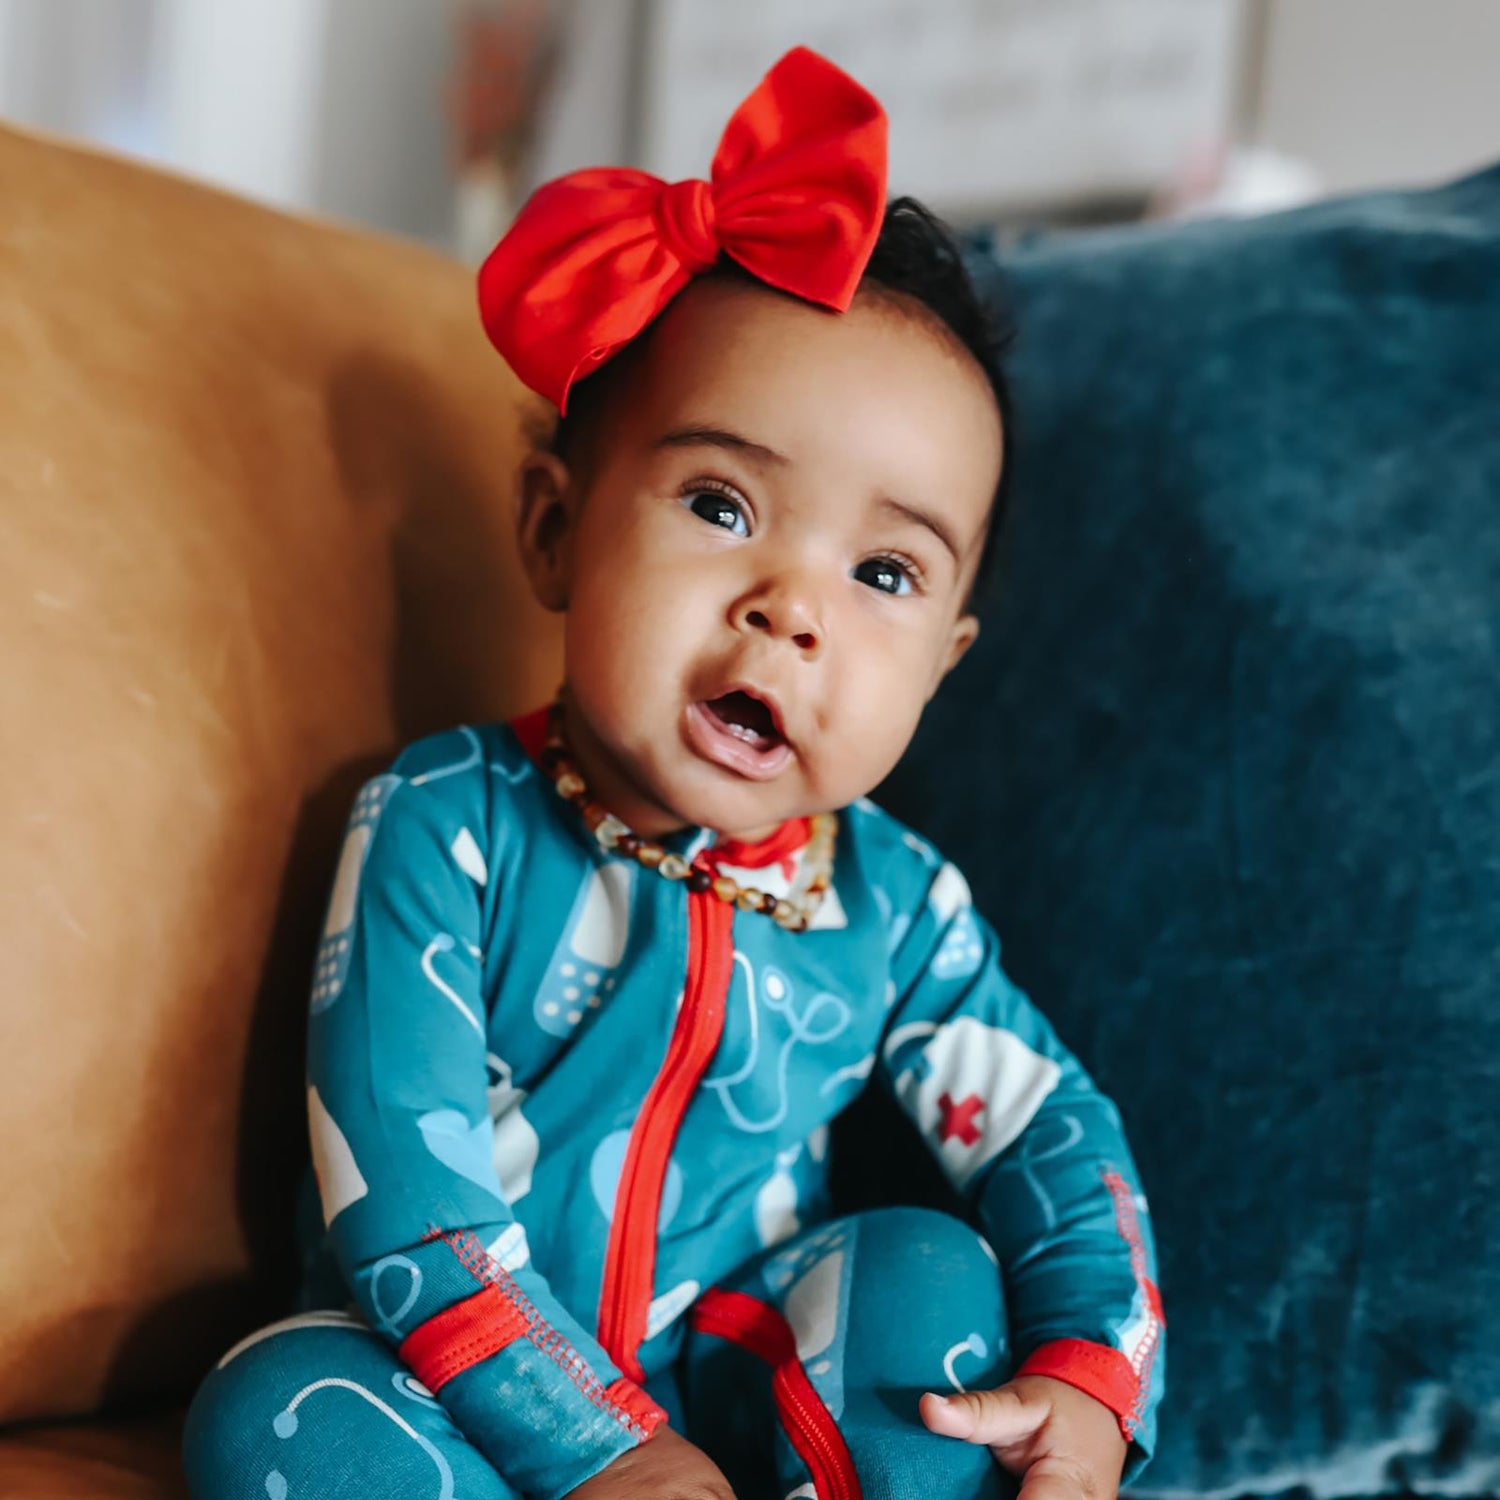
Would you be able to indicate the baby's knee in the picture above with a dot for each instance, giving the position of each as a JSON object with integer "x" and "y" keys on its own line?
{"x": 924, "y": 1243}
{"x": 228, "y": 1422}
{"x": 321, "y": 1405}
{"x": 235, "y": 1440}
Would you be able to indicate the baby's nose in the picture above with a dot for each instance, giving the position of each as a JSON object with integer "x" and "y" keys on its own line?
{"x": 805, "y": 640}
{"x": 784, "y": 608}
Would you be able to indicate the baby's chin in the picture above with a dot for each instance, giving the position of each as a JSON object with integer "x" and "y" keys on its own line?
{"x": 746, "y": 818}
{"x": 706, "y": 796}
{"x": 690, "y": 791}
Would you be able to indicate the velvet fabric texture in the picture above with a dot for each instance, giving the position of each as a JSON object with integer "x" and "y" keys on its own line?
{"x": 1224, "y": 769}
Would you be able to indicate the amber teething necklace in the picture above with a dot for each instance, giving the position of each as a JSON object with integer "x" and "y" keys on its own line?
{"x": 793, "y": 912}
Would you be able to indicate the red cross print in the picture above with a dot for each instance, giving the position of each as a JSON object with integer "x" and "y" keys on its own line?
{"x": 958, "y": 1119}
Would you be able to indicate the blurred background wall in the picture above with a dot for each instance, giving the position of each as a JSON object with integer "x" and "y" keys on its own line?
{"x": 430, "y": 117}
{"x": 1377, "y": 92}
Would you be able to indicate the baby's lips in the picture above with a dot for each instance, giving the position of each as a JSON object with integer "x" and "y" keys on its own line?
{"x": 762, "y": 696}
{"x": 711, "y": 739}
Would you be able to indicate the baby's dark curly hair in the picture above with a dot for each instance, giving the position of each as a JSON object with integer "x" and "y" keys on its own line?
{"x": 918, "y": 262}
{"x": 917, "y": 257}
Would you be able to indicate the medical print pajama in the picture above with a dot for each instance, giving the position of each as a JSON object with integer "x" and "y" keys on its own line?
{"x": 569, "y": 1127}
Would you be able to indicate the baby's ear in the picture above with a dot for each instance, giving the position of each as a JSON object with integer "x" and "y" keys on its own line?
{"x": 962, "y": 636}
{"x": 545, "y": 514}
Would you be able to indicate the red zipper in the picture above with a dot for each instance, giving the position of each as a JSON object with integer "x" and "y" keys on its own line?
{"x": 758, "y": 1327}
{"x": 630, "y": 1259}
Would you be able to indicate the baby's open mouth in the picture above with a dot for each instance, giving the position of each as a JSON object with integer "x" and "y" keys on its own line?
{"x": 746, "y": 718}
{"x": 738, "y": 732}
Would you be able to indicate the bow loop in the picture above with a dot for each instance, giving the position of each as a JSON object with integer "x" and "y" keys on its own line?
{"x": 797, "y": 197}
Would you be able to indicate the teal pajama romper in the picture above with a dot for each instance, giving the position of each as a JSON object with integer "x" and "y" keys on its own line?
{"x": 569, "y": 1125}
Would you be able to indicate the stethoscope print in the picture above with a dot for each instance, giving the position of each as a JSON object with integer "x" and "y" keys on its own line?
{"x": 286, "y": 1422}
{"x": 974, "y": 1345}
{"x": 385, "y": 1320}
{"x": 777, "y": 995}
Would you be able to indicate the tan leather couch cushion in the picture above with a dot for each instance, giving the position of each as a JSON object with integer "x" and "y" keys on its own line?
{"x": 134, "y": 1460}
{"x": 255, "y": 484}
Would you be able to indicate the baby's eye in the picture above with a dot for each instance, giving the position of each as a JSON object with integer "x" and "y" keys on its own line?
{"x": 718, "y": 510}
{"x": 886, "y": 574}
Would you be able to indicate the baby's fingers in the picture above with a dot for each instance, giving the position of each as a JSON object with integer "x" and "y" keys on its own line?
{"x": 1002, "y": 1418}
{"x": 1055, "y": 1478}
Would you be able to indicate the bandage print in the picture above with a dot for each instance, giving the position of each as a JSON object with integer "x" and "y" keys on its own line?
{"x": 331, "y": 968}
{"x": 809, "y": 1284}
{"x": 582, "y": 971}
{"x": 970, "y": 1090}
{"x": 961, "y": 951}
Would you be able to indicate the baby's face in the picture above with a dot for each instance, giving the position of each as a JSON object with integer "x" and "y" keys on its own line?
{"x": 765, "y": 562}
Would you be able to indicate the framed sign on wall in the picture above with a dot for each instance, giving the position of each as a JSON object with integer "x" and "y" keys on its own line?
{"x": 996, "y": 106}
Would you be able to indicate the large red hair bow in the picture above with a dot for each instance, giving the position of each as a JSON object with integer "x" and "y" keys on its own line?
{"x": 797, "y": 197}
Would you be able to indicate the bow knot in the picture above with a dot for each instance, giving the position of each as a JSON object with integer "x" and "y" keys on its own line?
{"x": 796, "y": 198}
{"x": 686, "y": 217}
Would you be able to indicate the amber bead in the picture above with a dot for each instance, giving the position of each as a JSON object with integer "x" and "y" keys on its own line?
{"x": 612, "y": 834}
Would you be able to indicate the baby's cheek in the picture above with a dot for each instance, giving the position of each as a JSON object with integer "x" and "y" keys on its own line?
{"x": 855, "y": 762}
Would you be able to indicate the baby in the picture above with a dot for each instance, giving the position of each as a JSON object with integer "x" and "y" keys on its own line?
{"x": 594, "y": 982}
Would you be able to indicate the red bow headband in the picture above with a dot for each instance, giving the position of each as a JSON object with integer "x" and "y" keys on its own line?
{"x": 797, "y": 197}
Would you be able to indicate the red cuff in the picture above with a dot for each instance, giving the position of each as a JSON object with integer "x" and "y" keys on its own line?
{"x": 497, "y": 1315}
{"x": 1095, "y": 1369}
{"x": 461, "y": 1336}
{"x": 626, "y": 1396}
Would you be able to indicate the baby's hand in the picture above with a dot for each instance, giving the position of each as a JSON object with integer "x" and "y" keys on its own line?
{"x": 1061, "y": 1444}
{"x": 665, "y": 1467}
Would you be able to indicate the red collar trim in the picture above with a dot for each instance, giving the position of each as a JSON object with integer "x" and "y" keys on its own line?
{"x": 531, "y": 729}
{"x": 777, "y": 848}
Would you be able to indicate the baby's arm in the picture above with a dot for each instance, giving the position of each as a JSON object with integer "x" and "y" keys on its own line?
{"x": 1039, "y": 1155}
{"x": 403, "y": 1146}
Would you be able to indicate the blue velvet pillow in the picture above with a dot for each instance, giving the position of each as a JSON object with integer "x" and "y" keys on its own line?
{"x": 1224, "y": 767}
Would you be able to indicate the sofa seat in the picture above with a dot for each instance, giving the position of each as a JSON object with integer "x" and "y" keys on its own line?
{"x": 96, "y": 1460}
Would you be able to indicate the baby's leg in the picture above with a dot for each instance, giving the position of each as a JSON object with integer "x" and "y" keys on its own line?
{"x": 812, "y": 1358}
{"x": 320, "y": 1408}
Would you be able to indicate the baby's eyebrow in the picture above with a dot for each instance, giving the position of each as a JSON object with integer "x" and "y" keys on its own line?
{"x": 699, "y": 436}
{"x": 935, "y": 524}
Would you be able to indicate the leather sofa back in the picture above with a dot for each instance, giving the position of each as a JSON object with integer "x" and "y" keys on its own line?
{"x": 255, "y": 488}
